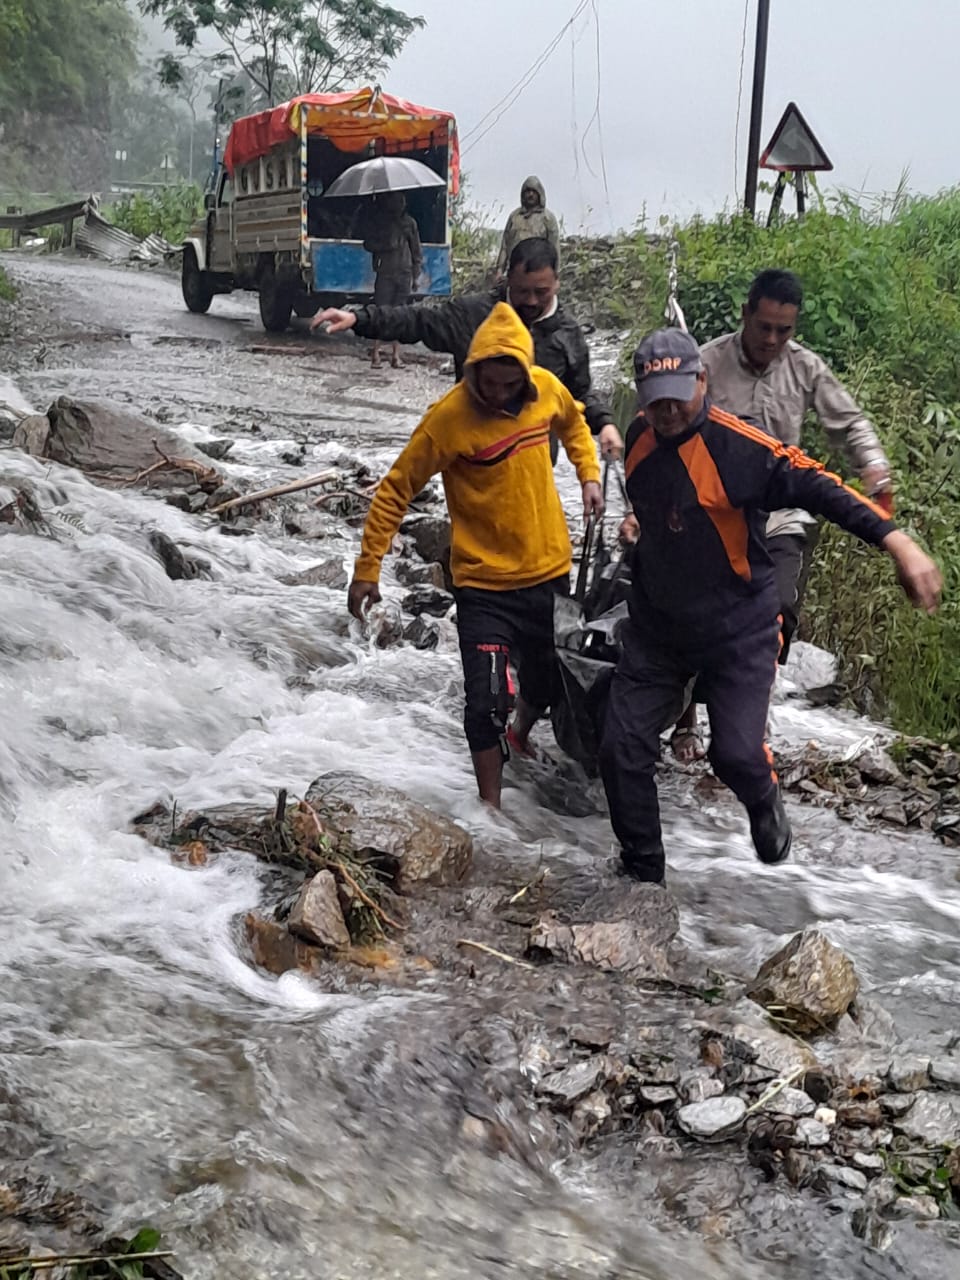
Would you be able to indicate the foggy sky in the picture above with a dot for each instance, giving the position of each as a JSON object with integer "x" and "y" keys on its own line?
{"x": 876, "y": 80}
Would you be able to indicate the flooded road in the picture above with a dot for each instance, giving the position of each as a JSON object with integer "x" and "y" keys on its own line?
{"x": 272, "y": 1128}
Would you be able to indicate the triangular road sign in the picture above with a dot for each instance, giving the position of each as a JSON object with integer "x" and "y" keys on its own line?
{"x": 793, "y": 146}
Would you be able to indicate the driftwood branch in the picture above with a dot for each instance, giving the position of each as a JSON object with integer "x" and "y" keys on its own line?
{"x": 497, "y": 955}
{"x": 247, "y": 498}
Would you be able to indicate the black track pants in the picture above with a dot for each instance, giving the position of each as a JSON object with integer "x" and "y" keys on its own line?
{"x": 646, "y": 696}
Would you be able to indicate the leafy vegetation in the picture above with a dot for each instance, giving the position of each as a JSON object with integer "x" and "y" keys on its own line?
{"x": 125, "y": 1262}
{"x": 7, "y": 291}
{"x": 63, "y": 57}
{"x": 288, "y": 46}
{"x": 882, "y": 306}
{"x": 167, "y": 211}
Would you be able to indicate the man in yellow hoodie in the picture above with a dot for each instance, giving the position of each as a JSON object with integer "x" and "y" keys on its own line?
{"x": 489, "y": 437}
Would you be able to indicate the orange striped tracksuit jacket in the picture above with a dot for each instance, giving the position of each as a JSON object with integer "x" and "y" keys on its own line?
{"x": 701, "y": 501}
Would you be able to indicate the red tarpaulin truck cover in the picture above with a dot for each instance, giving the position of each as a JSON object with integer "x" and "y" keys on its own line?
{"x": 348, "y": 120}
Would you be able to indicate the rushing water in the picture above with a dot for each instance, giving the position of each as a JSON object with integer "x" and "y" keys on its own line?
{"x": 271, "y": 1128}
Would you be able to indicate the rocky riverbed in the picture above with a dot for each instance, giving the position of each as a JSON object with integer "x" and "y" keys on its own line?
{"x": 278, "y": 985}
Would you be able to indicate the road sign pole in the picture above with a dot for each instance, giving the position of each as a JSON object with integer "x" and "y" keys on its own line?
{"x": 800, "y": 178}
{"x": 756, "y": 106}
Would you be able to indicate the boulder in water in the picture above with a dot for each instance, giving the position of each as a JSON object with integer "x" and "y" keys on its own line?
{"x": 326, "y": 573}
{"x": 430, "y": 536}
{"x": 111, "y": 444}
{"x": 623, "y": 946}
{"x": 385, "y": 826}
{"x": 411, "y": 574}
{"x": 316, "y": 916}
{"x": 810, "y": 983}
{"x": 426, "y": 599}
{"x": 31, "y": 435}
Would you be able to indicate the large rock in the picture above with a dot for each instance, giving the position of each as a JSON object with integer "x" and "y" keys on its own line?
{"x": 431, "y": 538}
{"x": 32, "y": 434}
{"x": 275, "y": 949}
{"x": 412, "y": 844}
{"x": 707, "y": 1119}
{"x": 326, "y": 573}
{"x": 316, "y": 916}
{"x": 933, "y": 1119}
{"x": 614, "y": 946}
{"x": 810, "y": 982}
{"x": 108, "y": 442}
{"x": 176, "y": 564}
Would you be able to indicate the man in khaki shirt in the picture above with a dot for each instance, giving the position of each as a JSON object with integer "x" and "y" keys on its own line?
{"x": 762, "y": 374}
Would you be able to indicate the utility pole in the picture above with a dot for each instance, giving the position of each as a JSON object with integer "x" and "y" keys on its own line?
{"x": 756, "y": 105}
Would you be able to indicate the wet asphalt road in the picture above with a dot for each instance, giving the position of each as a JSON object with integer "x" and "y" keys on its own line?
{"x": 89, "y": 330}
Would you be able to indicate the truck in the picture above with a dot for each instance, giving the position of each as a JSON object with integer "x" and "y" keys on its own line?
{"x": 269, "y": 227}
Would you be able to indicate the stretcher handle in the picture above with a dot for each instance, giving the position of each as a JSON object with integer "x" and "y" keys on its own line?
{"x": 589, "y": 539}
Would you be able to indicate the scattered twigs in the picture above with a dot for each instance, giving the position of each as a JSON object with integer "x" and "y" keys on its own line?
{"x": 366, "y": 899}
{"x": 537, "y": 878}
{"x": 777, "y": 1087}
{"x": 348, "y": 491}
{"x": 275, "y": 492}
{"x": 497, "y": 955}
{"x": 49, "y": 1261}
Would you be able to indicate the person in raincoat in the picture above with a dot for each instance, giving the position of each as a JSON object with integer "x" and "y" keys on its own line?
{"x": 393, "y": 240}
{"x": 489, "y": 437}
{"x": 532, "y": 221}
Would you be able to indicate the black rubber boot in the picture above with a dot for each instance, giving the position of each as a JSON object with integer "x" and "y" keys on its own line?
{"x": 647, "y": 864}
{"x": 770, "y": 829}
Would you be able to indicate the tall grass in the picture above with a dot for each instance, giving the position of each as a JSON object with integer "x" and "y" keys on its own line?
{"x": 7, "y": 291}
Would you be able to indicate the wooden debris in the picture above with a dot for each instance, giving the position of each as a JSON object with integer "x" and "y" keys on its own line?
{"x": 276, "y": 491}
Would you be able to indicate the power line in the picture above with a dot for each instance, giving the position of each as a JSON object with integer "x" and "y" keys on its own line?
{"x": 574, "y": 127}
{"x": 736, "y": 127}
{"x": 596, "y": 117}
{"x": 474, "y": 135}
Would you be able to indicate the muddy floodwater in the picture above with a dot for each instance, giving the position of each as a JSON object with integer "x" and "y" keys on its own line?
{"x": 285, "y": 1128}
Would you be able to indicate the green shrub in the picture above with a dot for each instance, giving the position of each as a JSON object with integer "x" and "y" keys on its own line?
{"x": 166, "y": 211}
{"x": 7, "y": 291}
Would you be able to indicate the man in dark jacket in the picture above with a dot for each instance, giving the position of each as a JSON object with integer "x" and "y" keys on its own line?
{"x": 705, "y": 597}
{"x": 531, "y": 289}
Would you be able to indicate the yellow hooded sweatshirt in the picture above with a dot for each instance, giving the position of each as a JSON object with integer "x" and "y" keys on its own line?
{"x": 507, "y": 525}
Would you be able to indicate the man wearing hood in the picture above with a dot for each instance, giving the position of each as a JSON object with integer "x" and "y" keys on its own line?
{"x": 531, "y": 289}
{"x": 532, "y": 221}
{"x": 489, "y": 438}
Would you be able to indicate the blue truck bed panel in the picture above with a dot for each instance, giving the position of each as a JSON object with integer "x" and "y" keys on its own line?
{"x": 344, "y": 266}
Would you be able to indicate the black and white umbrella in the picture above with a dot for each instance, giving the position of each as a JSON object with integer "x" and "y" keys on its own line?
{"x": 384, "y": 173}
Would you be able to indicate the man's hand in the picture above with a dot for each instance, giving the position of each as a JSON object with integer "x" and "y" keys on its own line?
{"x": 361, "y": 595}
{"x": 918, "y": 575}
{"x": 611, "y": 442}
{"x": 339, "y": 321}
{"x": 592, "y": 500}
{"x": 878, "y": 486}
{"x": 629, "y": 530}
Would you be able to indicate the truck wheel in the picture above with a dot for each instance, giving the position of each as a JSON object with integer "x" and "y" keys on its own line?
{"x": 306, "y": 305}
{"x": 196, "y": 286}
{"x": 276, "y": 301}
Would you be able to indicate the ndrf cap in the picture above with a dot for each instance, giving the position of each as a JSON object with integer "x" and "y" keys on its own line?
{"x": 666, "y": 365}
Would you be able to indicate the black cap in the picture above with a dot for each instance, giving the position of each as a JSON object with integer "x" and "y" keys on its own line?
{"x": 666, "y": 365}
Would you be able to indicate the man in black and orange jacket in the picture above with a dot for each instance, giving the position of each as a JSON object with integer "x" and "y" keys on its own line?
{"x": 705, "y": 600}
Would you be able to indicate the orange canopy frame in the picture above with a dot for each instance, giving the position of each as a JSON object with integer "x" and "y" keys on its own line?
{"x": 348, "y": 120}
